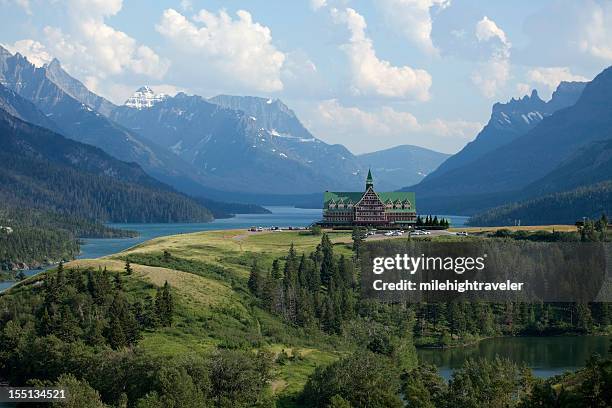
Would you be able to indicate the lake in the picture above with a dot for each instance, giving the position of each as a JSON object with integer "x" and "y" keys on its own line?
{"x": 280, "y": 217}
{"x": 546, "y": 356}
{"x": 97, "y": 247}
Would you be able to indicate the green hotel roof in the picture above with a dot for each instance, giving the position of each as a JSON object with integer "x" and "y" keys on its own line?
{"x": 355, "y": 196}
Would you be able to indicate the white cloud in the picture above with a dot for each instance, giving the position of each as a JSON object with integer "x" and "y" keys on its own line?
{"x": 413, "y": 18}
{"x": 385, "y": 127}
{"x": 240, "y": 49}
{"x": 523, "y": 88}
{"x": 33, "y": 50}
{"x": 486, "y": 29}
{"x": 492, "y": 75}
{"x": 373, "y": 76}
{"x": 597, "y": 35}
{"x": 550, "y": 77}
{"x": 91, "y": 49}
{"x": 569, "y": 33}
{"x": 318, "y": 4}
{"x": 94, "y": 8}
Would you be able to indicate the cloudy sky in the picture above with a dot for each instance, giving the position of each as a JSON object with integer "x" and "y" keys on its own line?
{"x": 369, "y": 74}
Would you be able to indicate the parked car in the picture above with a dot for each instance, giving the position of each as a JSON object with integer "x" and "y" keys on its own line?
{"x": 462, "y": 233}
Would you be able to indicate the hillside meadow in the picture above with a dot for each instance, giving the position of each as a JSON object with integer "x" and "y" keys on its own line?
{"x": 213, "y": 307}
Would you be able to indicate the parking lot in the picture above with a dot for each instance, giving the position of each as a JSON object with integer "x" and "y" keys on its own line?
{"x": 399, "y": 234}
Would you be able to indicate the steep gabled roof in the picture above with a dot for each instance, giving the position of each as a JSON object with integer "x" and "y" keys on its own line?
{"x": 355, "y": 196}
{"x": 337, "y": 196}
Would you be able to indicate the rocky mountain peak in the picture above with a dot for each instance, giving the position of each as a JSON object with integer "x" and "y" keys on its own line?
{"x": 144, "y": 98}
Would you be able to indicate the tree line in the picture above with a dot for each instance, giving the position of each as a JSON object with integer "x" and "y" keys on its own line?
{"x": 430, "y": 221}
{"x": 366, "y": 379}
{"x": 40, "y": 237}
{"x": 81, "y": 329}
{"x": 62, "y": 189}
{"x": 322, "y": 290}
{"x": 557, "y": 208}
{"x": 318, "y": 289}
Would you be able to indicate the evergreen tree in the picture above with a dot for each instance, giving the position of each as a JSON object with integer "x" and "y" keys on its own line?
{"x": 254, "y": 279}
{"x": 118, "y": 282}
{"x": 164, "y": 305}
{"x": 328, "y": 265}
{"x": 276, "y": 274}
{"x": 268, "y": 292}
{"x": 115, "y": 334}
{"x": 358, "y": 236}
{"x": 128, "y": 267}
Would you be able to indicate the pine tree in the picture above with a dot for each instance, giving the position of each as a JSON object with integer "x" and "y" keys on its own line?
{"x": 275, "y": 270}
{"x": 328, "y": 264}
{"x": 345, "y": 267}
{"x": 254, "y": 279}
{"x": 150, "y": 317}
{"x": 94, "y": 334}
{"x": 358, "y": 236}
{"x": 118, "y": 282}
{"x": 167, "y": 257}
{"x": 128, "y": 267}
{"x": 268, "y": 292}
{"x": 45, "y": 324}
{"x": 164, "y": 305}
{"x": 302, "y": 278}
{"x": 115, "y": 334}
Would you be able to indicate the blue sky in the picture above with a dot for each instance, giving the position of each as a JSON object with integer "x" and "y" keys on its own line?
{"x": 364, "y": 73}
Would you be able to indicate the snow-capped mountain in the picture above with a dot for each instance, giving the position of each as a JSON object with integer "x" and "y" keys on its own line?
{"x": 145, "y": 98}
{"x": 76, "y": 119}
{"x": 249, "y": 144}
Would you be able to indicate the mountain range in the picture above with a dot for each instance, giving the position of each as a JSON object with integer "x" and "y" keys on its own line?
{"x": 81, "y": 122}
{"x": 252, "y": 149}
{"x": 222, "y": 147}
{"x": 403, "y": 165}
{"x": 44, "y": 170}
{"x": 531, "y": 149}
{"x": 509, "y": 121}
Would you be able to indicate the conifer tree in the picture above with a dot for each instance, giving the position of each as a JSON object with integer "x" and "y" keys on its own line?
{"x": 276, "y": 274}
{"x": 45, "y": 324}
{"x": 164, "y": 305}
{"x": 254, "y": 282}
{"x": 358, "y": 236}
{"x": 268, "y": 292}
{"x": 328, "y": 264}
{"x": 128, "y": 267}
{"x": 115, "y": 335}
{"x": 118, "y": 282}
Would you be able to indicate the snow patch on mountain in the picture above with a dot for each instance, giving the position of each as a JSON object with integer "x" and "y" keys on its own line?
{"x": 144, "y": 98}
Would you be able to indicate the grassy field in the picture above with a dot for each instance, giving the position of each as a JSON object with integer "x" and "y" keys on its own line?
{"x": 208, "y": 272}
{"x": 208, "y": 276}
